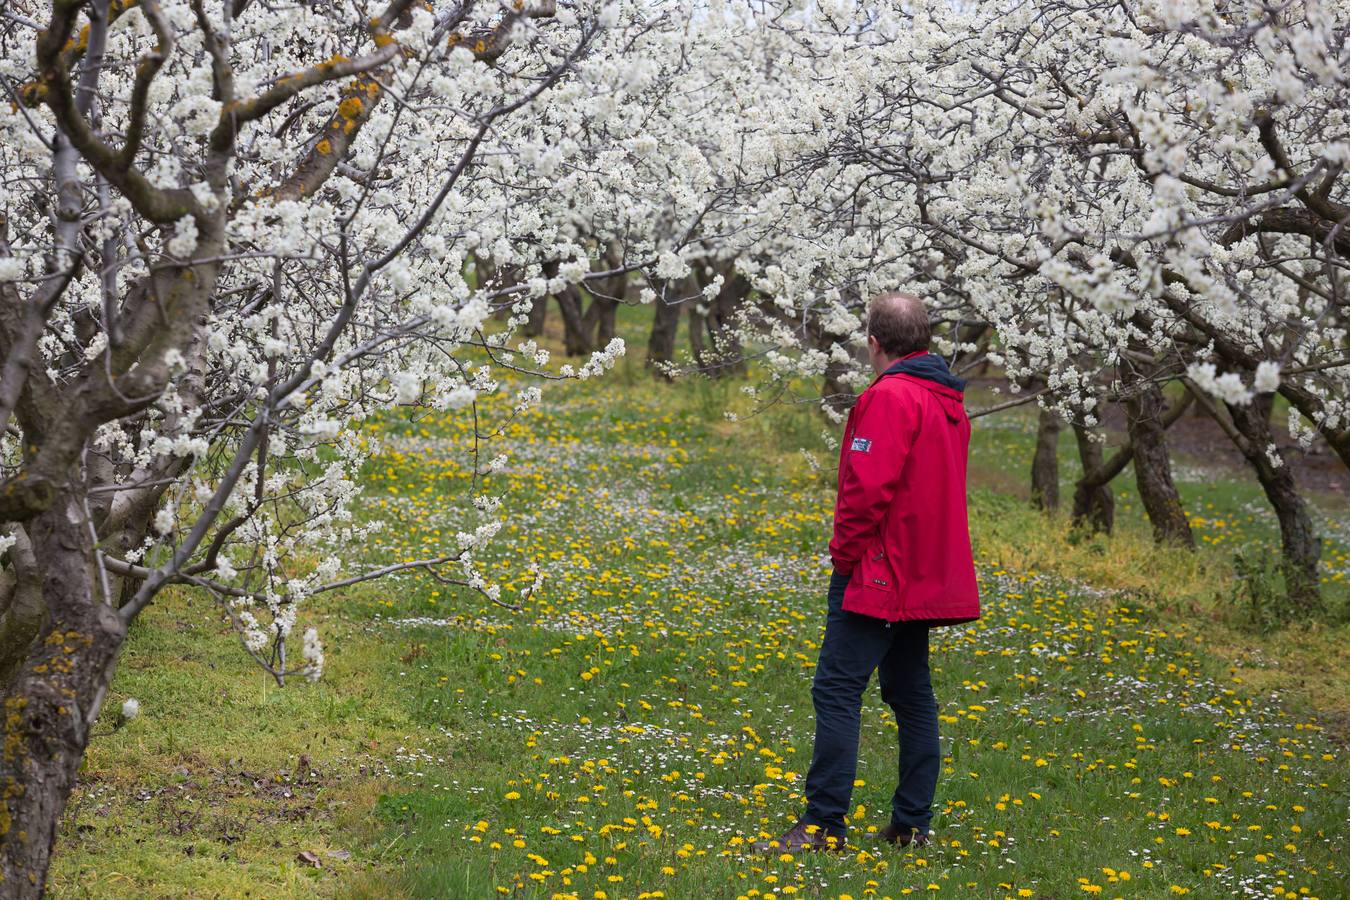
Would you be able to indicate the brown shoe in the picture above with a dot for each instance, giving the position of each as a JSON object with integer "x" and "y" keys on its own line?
{"x": 800, "y": 838}
{"x": 897, "y": 838}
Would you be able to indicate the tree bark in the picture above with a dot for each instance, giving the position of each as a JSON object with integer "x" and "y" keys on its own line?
{"x": 1093, "y": 502}
{"x": 1153, "y": 468}
{"x": 698, "y": 325}
{"x": 725, "y": 356}
{"x": 1300, "y": 545}
{"x": 1045, "y": 462}
{"x": 54, "y": 698}
{"x": 576, "y": 338}
{"x": 538, "y": 317}
{"x": 665, "y": 324}
{"x": 21, "y": 606}
{"x": 601, "y": 317}
{"x": 606, "y": 296}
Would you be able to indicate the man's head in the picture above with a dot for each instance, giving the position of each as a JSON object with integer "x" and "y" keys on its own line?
{"x": 897, "y": 325}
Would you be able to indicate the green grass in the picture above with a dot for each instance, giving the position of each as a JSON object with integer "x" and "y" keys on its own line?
{"x": 648, "y": 712}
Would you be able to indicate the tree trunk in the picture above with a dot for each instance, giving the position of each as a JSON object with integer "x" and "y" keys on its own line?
{"x": 484, "y": 273}
{"x": 698, "y": 324}
{"x": 599, "y": 318}
{"x": 538, "y": 317}
{"x": 1301, "y": 546}
{"x": 576, "y": 338}
{"x": 971, "y": 333}
{"x": 665, "y": 324}
{"x": 729, "y": 359}
{"x": 54, "y": 699}
{"x": 1093, "y": 501}
{"x": 1153, "y": 468}
{"x": 606, "y": 296}
{"x": 21, "y": 606}
{"x": 1045, "y": 462}
{"x": 605, "y": 319}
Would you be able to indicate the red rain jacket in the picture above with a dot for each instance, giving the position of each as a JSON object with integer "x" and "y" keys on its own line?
{"x": 900, "y": 523}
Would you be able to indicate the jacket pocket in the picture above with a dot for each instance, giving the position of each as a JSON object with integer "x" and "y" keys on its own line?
{"x": 878, "y": 577}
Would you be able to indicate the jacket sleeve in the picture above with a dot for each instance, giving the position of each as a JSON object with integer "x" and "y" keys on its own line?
{"x": 869, "y": 472}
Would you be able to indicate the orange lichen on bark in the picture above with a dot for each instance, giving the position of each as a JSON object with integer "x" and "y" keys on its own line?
{"x": 13, "y": 790}
{"x": 13, "y": 722}
{"x": 80, "y": 43}
{"x": 324, "y": 147}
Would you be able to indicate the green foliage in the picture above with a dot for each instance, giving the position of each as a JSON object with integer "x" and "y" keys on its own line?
{"x": 1261, "y": 602}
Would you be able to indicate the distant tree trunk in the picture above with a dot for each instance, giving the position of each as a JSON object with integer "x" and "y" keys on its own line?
{"x": 726, "y": 342}
{"x": 1045, "y": 462}
{"x": 665, "y": 325}
{"x": 698, "y": 324}
{"x": 538, "y": 317}
{"x": 576, "y": 339}
{"x": 605, "y": 329}
{"x": 606, "y": 296}
{"x": 1153, "y": 467}
{"x": 1301, "y": 546}
{"x": 971, "y": 333}
{"x": 481, "y": 269}
{"x": 485, "y": 272}
{"x": 1093, "y": 501}
{"x": 599, "y": 318}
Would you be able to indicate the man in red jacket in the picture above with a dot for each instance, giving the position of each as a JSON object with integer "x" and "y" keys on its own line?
{"x": 902, "y": 564}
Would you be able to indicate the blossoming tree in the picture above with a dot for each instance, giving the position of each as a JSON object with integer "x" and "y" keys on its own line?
{"x": 1123, "y": 195}
{"x": 230, "y": 230}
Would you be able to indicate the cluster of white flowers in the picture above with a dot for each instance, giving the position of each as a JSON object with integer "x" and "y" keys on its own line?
{"x": 12, "y": 268}
{"x": 312, "y": 651}
{"x": 1228, "y": 387}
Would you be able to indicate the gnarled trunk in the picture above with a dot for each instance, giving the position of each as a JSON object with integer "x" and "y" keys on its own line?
{"x": 698, "y": 325}
{"x": 21, "y": 607}
{"x": 1093, "y": 502}
{"x": 576, "y": 338}
{"x": 538, "y": 317}
{"x": 599, "y": 319}
{"x": 725, "y": 356}
{"x": 1045, "y": 462}
{"x": 665, "y": 324}
{"x": 1299, "y": 543}
{"x": 54, "y": 698}
{"x": 1153, "y": 467}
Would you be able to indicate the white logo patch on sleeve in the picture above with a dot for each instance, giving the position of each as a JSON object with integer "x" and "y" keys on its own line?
{"x": 862, "y": 445}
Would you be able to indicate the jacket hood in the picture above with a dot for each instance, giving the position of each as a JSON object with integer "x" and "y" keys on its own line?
{"x": 931, "y": 370}
{"x": 928, "y": 366}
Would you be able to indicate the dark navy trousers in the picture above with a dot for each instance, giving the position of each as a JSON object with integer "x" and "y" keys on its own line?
{"x": 855, "y": 646}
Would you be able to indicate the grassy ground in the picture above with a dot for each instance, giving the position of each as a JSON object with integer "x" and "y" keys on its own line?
{"x": 1108, "y": 728}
